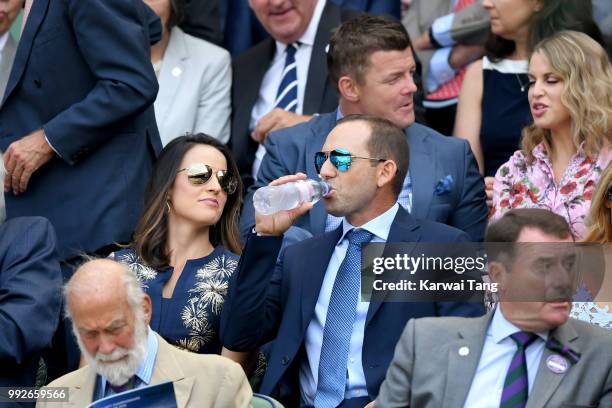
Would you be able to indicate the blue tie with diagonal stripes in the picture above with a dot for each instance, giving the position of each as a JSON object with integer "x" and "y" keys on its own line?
{"x": 287, "y": 95}
{"x": 339, "y": 324}
{"x": 516, "y": 384}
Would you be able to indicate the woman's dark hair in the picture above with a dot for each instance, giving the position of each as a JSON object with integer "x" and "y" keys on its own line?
{"x": 554, "y": 16}
{"x": 151, "y": 233}
{"x": 177, "y": 13}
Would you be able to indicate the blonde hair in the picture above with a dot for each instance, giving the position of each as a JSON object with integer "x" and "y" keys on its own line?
{"x": 600, "y": 217}
{"x": 587, "y": 74}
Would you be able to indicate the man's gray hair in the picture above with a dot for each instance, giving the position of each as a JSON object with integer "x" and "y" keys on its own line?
{"x": 133, "y": 288}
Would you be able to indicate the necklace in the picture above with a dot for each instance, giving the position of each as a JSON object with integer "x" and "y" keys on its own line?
{"x": 521, "y": 84}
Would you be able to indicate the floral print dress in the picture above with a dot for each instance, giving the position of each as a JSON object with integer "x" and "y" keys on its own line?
{"x": 519, "y": 184}
{"x": 190, "y": 318}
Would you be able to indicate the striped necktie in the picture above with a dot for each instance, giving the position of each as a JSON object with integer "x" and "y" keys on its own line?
{"x": 516, "y": 384}
{"x": 118, "y": 389}
{"x": 287, "y": 95}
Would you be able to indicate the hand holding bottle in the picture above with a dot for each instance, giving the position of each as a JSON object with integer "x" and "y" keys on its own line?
{"x": 279, "y": 222}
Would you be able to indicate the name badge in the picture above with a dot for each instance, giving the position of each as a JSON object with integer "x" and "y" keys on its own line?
{"x": 557, "y": 364}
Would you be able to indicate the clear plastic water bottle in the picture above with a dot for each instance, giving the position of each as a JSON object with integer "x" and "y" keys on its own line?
{"x": 271, "y": 199}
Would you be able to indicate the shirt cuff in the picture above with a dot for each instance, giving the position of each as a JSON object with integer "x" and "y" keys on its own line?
{"x": 50, "y": 145}
{"x": 441, "y": 30}
{"x": 440, "y": 70}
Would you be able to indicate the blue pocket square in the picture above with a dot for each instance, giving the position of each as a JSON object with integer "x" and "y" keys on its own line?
{"x": 444, "y": 186}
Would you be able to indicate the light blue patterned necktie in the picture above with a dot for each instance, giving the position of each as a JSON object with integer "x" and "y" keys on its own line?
{"x": 339, "y": 324}
{"x": 287, "y": 95}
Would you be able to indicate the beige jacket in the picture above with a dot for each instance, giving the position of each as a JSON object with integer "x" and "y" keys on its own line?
{"x": 200, "y": 380}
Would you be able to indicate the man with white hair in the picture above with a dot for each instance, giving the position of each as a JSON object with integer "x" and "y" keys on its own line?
{"x": 110, "y": 314}
{"x": 30, "y": 282}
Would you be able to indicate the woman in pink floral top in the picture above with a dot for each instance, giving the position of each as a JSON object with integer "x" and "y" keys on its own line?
{"x": 570, "y": 142}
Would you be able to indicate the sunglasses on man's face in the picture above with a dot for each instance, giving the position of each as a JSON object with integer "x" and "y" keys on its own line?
{"x": 199, "y": 174}
{"x": 340, "y": 158}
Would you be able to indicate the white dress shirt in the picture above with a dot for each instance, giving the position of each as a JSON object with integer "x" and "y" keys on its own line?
{"x": 272, "y": 79}
{"x": 309, "y": 369}
{"x": 497, "y": 353}
{"x": 3, "y": 40}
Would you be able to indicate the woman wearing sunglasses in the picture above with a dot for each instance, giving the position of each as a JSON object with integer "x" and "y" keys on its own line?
{"x": 186, "y": 241}
{"x": 569, "y": 143}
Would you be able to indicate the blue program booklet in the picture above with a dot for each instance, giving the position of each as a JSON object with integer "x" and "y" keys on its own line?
{"x": 158, "y": 396}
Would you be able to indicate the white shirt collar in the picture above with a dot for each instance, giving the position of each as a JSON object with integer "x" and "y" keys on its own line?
{"x": 308, "y": 38}
{"x": 501, "y": 328}
{"x": 3, "y": 40}
{"x": 379, "y": 226}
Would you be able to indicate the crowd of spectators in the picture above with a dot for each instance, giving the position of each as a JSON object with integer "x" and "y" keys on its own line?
{"x": 134, "y": 135}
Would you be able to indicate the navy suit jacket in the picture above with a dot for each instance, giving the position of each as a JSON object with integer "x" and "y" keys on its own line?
{"x": 432, "y": 157}
{"x": 248, "y": 70}
{"x": 267, "y": 302}
{"x": 388, "y": 7}
{"x": 82, "y": 72}
{"x": 30, "y": 297}
{"x": 243, "y": 30}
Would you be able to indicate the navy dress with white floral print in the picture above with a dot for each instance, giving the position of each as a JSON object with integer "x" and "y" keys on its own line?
{"x": 190, "y": 318}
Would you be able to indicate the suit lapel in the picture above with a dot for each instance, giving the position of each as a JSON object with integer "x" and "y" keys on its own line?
{"x": 168, "y": 369}
{"x": 314, "y": 272}
{"x": 422, "y": 172}
{"x": 249, "y": 89}
{"x": 461, "y": 368}
{"x": 82, "y": 393}
{"x": 323, "y": 125}
{"x": 8, "y": 55}
{"x": 35, "y": 18}
{"x": 403, "y": 229}
{"x": 172, "y": 73}
{"x": 547, "y": 382}
{"x": 316, "y": 83}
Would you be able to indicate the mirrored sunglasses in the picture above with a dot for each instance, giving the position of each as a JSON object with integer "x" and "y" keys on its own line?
{"x": 199, "y": 174}
{"x": 340, "y": 158}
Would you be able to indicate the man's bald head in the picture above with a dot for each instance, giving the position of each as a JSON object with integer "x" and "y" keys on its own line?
{"x": 103, "y": 281}
{"x": 110, "y": 313}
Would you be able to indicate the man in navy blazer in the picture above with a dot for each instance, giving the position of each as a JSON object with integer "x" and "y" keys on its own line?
{"x": 371, "y": 63}
{"x": 388, "y": 7}
{"x": 30, "y": 298}
{"x": 30, "y": 284}
{"x": 292, "y": 302}
{"x": 257, "y": 73}
{"x": 77, "y": 124}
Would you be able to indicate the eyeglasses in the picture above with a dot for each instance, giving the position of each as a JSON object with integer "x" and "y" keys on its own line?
{"x": 199, "y": 174}
{"x": 340, "y": 158}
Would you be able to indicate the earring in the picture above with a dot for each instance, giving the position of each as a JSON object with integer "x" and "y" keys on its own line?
{"x": 168, "y": 206}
